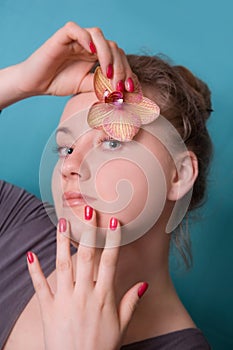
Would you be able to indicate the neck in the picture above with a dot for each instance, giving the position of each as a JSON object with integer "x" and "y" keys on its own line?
{"x": 159, "y": 311}
{"x": 144, "y": 260}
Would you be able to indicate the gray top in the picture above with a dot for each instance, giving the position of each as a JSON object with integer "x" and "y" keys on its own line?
{"x": 24, "y": 226}
{"x": 186, "y": 339}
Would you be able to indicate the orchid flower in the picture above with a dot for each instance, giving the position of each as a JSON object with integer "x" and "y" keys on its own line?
{"x": 120, "y": 114}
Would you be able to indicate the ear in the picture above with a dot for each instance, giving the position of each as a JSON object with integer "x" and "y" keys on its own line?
{"x": 184, "y": 176}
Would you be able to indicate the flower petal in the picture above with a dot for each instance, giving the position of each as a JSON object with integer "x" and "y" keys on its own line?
{"x": 148, "y": 110}
{"x": 144, "y": 111}
{"x": 97, "y": 113}
{"x": 120, "y": 124}
{"x": 101, "y": 84}
{"x": 136, "y": 96}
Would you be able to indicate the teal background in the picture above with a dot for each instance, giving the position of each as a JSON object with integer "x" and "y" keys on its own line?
{"x": 197, "y": 34}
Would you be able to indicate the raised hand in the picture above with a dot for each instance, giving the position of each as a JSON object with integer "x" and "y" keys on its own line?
{"x": 62, "y": 64}
{"x": 84, "y": 315}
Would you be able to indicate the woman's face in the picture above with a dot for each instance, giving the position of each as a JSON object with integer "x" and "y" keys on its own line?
{"x": 127, "y": 180}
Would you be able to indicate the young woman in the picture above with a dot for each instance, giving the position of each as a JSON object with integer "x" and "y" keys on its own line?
{"x": 93, "y": 300}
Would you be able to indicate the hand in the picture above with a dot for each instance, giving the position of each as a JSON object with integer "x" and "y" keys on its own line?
{"x": 61, "y": 66}
{"x": 84, "y": 315}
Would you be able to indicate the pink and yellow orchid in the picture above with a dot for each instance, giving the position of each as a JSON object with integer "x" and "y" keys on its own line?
{"x": 119, "y": 114}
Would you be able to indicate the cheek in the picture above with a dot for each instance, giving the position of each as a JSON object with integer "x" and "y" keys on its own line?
{"x": 124, "y": 183}
{"x": 134, "y": 192}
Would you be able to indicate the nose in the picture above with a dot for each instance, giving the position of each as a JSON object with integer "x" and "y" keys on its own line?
{"x": 74, "y": 166}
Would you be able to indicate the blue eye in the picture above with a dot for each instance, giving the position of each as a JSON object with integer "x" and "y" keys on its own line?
{"x": 111, "y": 144}
{"x": 64, "y": 151}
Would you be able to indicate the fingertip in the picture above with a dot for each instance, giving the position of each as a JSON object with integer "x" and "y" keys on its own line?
{"x": 30, "y": 257}
{"x": 62, "y": 225}
{"x": 92, "y": 47}
{"x": 89, "y": 215}
{"x": 142, "y": 289}
{"x": 109, "y": 72}
{"x": 120, "y": 86}
{"x": 63, "y": 230}
{"x": 113, "y": 223}
{"x": 88, "y": 212}
{"x": 129, "y": 85}
{"x": 113, "y": 237}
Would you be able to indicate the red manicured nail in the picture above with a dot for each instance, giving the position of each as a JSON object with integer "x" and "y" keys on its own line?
{"x": 109, "y": 71}
{"x": 92, "y": 47}
{"x": 88, "y": 212}
{"x": 120, "y": 86}
{"x": 130, "y": 85}
{"x": 30, "y": 257}
{"x": 62, "y": 225}
{"x": 113, "y": 223}
{"x": 142, "y": 289}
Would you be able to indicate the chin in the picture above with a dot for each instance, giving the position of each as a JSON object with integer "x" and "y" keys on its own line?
{"x": 133, "y": 227}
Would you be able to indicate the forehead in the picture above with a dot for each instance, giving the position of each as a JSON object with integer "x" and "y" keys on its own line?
{"x": 78, "y": 103}
{"x": 74, "y": 117}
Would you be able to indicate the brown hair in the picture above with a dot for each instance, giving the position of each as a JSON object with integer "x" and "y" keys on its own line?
{"x": 185, "y": 101}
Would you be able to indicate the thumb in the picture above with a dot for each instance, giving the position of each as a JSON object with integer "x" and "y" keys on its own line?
{"x": 129, "y": 303}
{"x": 87, "y": 84}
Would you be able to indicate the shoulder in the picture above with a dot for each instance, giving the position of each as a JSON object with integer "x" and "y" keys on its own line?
{"x": 187, "y": 339}
{"x": 17, "y": 207}
{"x": 24, "y": 225}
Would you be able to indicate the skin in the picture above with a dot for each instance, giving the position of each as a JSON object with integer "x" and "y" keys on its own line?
{"x": 159, "y": 312}
{"x": 76, "y": 172}
{"x": 65, "y": 55}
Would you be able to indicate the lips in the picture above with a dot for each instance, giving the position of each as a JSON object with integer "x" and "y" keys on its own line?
{"x": 73, "y": 199}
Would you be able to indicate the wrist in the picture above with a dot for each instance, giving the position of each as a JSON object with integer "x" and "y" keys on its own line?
{"x": 10, "y": 86}
{"x": 21, "y": 74}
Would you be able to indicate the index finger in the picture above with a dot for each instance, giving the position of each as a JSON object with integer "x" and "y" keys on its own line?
{"x": 71, "y": 32}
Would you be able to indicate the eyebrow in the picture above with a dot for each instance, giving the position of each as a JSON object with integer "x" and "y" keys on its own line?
{"x": 63, "y": 129}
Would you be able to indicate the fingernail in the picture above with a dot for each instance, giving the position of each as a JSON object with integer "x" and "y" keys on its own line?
{"x": 120, "y": 86}
{"x": 129, "y": 85}
{"x": 142, "y": 289}
{"x": 62, "y": 225}
{"x": 30, "y": 257}
{"x": 92, "y": 47}
{"x": 113, "y": 223}
{"x": 88, "y": 211}
{"x": 109, "y": 71}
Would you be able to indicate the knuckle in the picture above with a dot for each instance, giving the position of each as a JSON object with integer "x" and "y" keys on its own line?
{"x": 39, "y": 284}
{"x": 69, "y": 25}
{"x": 120, "y": 71}
{"x": 86, "y": 255}
{"x": 63, "y": 265}
{"x": 100, "y": 300}
{"x": 122, "y": 52}
{"x": 97, "y": 31}
{"x": 100, "y": 304}
{"x": 131, "y": 306}
{"x": 113, "y": 45}
{"x": 62, "y": 239}
{"x": 108, "y": 260}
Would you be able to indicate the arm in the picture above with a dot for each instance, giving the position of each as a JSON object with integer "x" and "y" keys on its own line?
{"x": 9, "y": 89}
{"x": 61, "y": 66}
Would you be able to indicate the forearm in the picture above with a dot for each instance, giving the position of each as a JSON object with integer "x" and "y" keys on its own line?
{"x": 10, "y": 91}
